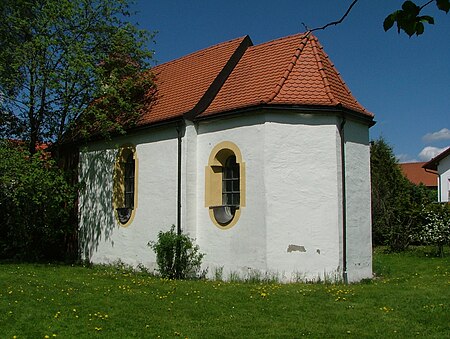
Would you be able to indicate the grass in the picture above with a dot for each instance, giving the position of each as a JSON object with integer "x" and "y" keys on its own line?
{"x": 409, "y": 298}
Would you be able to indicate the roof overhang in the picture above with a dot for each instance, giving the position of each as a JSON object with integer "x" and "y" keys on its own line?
{"x": 433, "y": 163}
{"x": 305, "y": 109}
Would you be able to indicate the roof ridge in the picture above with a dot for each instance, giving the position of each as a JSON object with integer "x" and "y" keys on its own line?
{"x": 303, "y": 41}
{"x": 344, "y": 84}
{"x": 219, "y": 80}
{"x": 323, "y": 74}
{"x": 210, "y": 48}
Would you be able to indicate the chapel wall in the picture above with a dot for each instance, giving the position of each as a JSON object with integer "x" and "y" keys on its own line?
{"x": 302, "y": 196}
{"x": 358, "y": 201}
{"x": 240, "y": 249}
{"x": 106, "y": 240}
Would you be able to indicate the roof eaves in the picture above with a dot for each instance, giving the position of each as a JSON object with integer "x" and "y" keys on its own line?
{"x": 307, "y": 109}
{"x": 433, "y": 163}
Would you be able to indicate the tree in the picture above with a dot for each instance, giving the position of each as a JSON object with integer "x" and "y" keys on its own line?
{"x": 408, "y": 18}
{"x": 396, "y": 202}
{"x": 62, "y": 59}
{"x": 35, "y": 200}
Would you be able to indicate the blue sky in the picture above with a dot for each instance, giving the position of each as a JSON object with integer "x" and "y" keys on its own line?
{"x": 404, "y": 81}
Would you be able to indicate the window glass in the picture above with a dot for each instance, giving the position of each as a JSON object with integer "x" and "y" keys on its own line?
{"x": 230, "y": 182}
{"x": 129, "y": 181}
{"x": 225, "y": 184}
{"x": 124, "y": 198}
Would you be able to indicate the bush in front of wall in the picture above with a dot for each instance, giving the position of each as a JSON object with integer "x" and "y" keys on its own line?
{"x": 436, "y": 229}
{"x": 36, "y": 204}
{"x": 177, "y": 256}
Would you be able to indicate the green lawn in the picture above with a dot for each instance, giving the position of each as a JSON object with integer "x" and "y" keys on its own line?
{"x": 410, "y": 298}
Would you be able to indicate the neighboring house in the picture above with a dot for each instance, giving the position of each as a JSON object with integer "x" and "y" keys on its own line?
{"x": 440, "y": 164}
{"x": 415, "y": 173}
{"x": 260, "y": 153}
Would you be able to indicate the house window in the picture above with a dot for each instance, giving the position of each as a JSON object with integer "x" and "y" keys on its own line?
{"x": 230, "y": 182}
{"x": 124, "y": 194}
{"x": 225, "y": 185}
{"x": 129, "y": 181}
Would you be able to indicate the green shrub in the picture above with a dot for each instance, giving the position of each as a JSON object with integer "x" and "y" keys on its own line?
{"x": 436, "y": 229}
{"x": 177, "y": 256}
{"x": 36, "y": 203}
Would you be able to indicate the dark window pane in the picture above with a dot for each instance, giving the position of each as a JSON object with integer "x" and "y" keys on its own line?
{"x": 230, "y": 182}
{"x": 129, "y": 181}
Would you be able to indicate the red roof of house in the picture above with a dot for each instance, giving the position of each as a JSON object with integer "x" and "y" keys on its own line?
{"x": 182, "y": 83}
{"x": 235, "y": 75}
{"x": 293, "y": 70}
{"x": 415, "y": 172}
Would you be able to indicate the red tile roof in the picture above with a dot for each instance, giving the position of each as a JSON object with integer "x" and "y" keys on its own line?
{"x": 288, "y": 71}
{"x": 182, "y": 83}
{"x": 417, "y": 175}
{"x": 234, "y": 75}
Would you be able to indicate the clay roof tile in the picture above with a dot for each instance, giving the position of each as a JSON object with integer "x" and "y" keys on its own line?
{"x": 182, "y": 83}
{"x": 233, "y": 75}
{"x": 290, "y": 71}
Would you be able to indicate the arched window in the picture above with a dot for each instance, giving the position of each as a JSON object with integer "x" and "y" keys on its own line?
{"x": 129, "y": 181}
{"x": 225, "y": 185}
{"x": 230, "y": 182}
{"x": 124, "y": 199}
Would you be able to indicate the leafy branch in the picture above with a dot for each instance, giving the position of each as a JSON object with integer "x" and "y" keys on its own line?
{"x": 409, "y": 19}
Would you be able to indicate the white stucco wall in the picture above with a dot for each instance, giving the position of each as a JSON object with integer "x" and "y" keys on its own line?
{"x": 242, "y": 248}
{"x": 291, "y": 225}
{"x": 302, "y": 197}
{"x": 359, "y": 225}
{"x": 104, "y": 239}
{"x": 444, "y": 179}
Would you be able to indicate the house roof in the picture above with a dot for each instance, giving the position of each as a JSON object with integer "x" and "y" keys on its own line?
{"x": 236, "y": 75}
{"x": 433, "y": 163}
{"x": 182, "y": 83}
{"x": 289, "y": 71}
{"x": 415, "y": 172}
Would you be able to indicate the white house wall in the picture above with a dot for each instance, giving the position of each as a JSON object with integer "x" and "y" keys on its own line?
{"x": 302, "y": 205}
{"x": 359, "y": 228}
{"x": 444, "y": 179}
{"x": 242, "y": 248}
{"x": 103, "y": 239}
{"x": 291, "y": 225}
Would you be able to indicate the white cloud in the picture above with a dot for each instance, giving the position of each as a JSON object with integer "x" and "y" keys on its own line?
{"x": 402, "y": 158}
{"x": 430, "y": 152}
{"x": 443, "y": 134}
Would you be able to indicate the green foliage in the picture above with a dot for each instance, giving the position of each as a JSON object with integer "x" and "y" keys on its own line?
{"x": 396, "y": 202}
{"x": 176, "y": 255}
{"x": 436, "y": 229}
{"x": 408, "y": 299}
{"x": 409, "y": 19}
{"x": 36, "y": 203}
{"x": 61, "y": 59}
